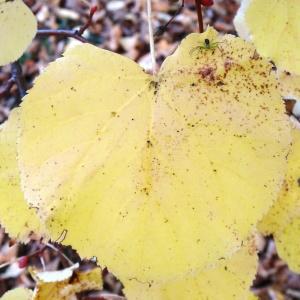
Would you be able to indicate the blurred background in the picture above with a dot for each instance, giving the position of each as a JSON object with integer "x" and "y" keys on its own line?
{"x": 120, "y": 26}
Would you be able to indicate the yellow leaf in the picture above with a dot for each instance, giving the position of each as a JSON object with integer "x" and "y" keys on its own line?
{"x": 287, "y": 206}
{"x": 230, "y": 280}
{"x": 288, "y": 242}
{"x": 15, "y": 215}
{"x": 251, "y": 297}
{"x": 289, "y": 85}
{"x": 274, "y": 28}
{"x": 53, "y": 276}
{"x": 283, "y": 219}
{"x": 156, "y": 176}
{"x": 18, "y": 294}
{"x": 17, "y": 29}
{"x": 65, "y": 284}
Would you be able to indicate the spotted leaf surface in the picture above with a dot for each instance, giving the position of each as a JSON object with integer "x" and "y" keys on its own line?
{"x": 17, "y": 28}
{"x": 137, "y": 170}
{"x": 274, "y": 28}
{"x": 15, "y": 215}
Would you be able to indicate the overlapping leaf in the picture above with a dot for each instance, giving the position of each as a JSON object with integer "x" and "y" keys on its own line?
{"x": 274, "y": 27}
{"x": 15, "y": 215}
{"x": 283, "y": 219}
{"x": 162, "y": 176}
{"x": 17, "y": 28}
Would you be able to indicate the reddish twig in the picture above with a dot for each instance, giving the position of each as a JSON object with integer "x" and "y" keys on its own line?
{"x": 19, "y": 260}
{"x": 89, "y": 21}
{"x": 200, "y": 17}
{"x": 75, "y": 34}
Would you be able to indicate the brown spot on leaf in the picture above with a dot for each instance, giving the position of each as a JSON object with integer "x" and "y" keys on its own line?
{"x": 228, "y": 64}
{"x": 208, "y": 73}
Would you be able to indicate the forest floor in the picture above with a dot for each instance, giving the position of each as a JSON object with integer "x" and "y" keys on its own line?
{"x": 120, "y": 26}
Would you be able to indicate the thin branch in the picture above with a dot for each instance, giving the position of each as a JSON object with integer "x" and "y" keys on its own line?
{"x": 75, "y": 34}
{"x": 200, "y": 17}
{"x": 4, "y": 265}
{"x": 16, "y": 71}
{"x": 62, "y": 33}
{"x": 37, "y": 252}
{"x": 151, "y": 37}
{"x": 163, "y": 28}
{"x": 16, "y": 78}
{"x": 43, "y": 263}
{"x": 70, "y": 262}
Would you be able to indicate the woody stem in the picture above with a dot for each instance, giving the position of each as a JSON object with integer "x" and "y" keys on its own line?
{"x": 199, "y": 13}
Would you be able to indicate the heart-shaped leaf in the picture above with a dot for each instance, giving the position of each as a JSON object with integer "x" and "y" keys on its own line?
{"x": 157, "y": 176}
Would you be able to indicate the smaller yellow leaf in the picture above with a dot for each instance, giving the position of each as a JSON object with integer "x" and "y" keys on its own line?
{"x": 17, "y": 29}
{"x": 18, "y": 294}
{"x": 64, "y": 284}
{"x": 54, "y": 276}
